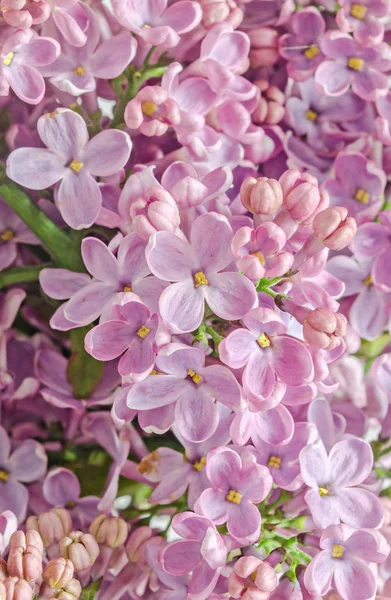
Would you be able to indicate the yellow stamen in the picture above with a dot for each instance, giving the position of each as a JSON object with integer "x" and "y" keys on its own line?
{"x": 200, "y": 279}
{"x": 264, "y": 341}
{"x": 137, "y": 74}
{"x": 358, "y": 11}
{"x": 234, "y": 497}
{"x": 337, "y": 551}
{"x": 76, "y": 166}
{"x": 260, "y": 257}
{"x": 275, "y": 462}
{"x": 79, "y": 71}
{"x": 128, "y": 288}
{"x": 7, "y": 235}
{"x": 311, "y": 115}
{"x": 4, "y": 476}
{"x": 148, "y": 108}
{"x": 355, "y": 63}
{"x": 368, "y": 280}
{"x": 253, "y": 576}
{"x": 51, "y": 115}
{"x": 199, "y": 465}
{"x": 154, "y": 372}
{"x": 311, "y": 52}
{"x": 194, "y": 376}
{"x": 8, "y": 59}
{"x": 323, "y": 491}
{"x": 143, "y": 332}
{"x": 362, "y": 196}
{"x": 146, "y": 26}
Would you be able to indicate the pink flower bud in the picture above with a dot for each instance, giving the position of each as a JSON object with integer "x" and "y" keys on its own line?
{"x": 136, "y": 543}
{"x": 58, "y": 572}
{"x": 3, "y": 569}
{"x": 334, "y": 228}
{"x": 323, "y": 329}
{"x": 264, "y": 47}
{"x": 81, "y": 548}
{"x": 152, "y": 111}
{"x": 14, "y": 588}
{"x": 261, "y": 196}
{"x": 110, "y": 531}
{"x": 72, "y": 591}
{"x": 25, "y": 555}
{"x": 270, "y": 108}
{"x": 252, "y": 579}
{"x": 302, "y": 197}
{"x": 52, "y": 525}
{"x": 157, "y": 211}
{"x": 217, "y": 11}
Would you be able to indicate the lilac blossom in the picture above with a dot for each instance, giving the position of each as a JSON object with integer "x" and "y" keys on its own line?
{"x": 8, "y": 525}
{"x": 373, "y": 241}
{"x": 152, "y": 112}
{"x": 73, "y": 19}
{"x": 12, "y": 233}
{"x": 364, "y": 19}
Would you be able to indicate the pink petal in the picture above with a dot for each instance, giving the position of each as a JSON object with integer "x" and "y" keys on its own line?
{"x": 88, "y": 303}
{"x": 36, "y": 170}
{"x": 354, "y": 579}
{"x": 230, "y": 295}
{"x": 259, "y": 376}
{"x": 107, "y": 152}
{"x": 70, "y": 27}
{"x": 169, "y": 257}
{"x": 113, "y": 56}
{"x": 99, "y": 260}
{"x": 108, "y": 340}
{"x": 183, "y": 16}
{"x": 28, "y": 462}
{"x": 350, "y": 462}
{"x": 211, "y": 238}
{"x": 39, "y": 52}
{"x": 222, "y": 385}
{"x": 79, "y": 199}
{"x": 61, "y": 284}
{"x": 359, "y": 508}
{"x": 235, "y": 350}
{"x": 274, "y": 426}
{"x": 61, "y": 486}
{"x": 196, "y": 416}
{"x": 182, "y": 306}
{"x": 318, "y": 574}
{"x": 292, "y": 361}
{"x": 64, "y": 132}
{"x": 27, "y": 83}
{"x": 155, "y": 391}
{"x": 244, "y": 521}
{"x": 181, "y": 557}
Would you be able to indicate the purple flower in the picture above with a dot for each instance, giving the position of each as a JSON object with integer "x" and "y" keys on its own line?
{"x": 152, "y": 112}
{"x": 21, "y": 57}
{"x": 348, "y": 63}
{"x": 202, "y": 553}
{"x": 195, "y": 268}
{"x": 373, "y": 241}
{"x": 156, "y": 24}
{"x": 364, "y": 19}
{"x": 266, "y": 352}
{"x": 8, "y": 525}
{"x": 13, "y": 231}
{"x": 25, "y": 464}
{"x": 343, "y": 563}
{"x": 72, "y": 160}
{"x": 333, "y": 479}
{"x": 185, "y": 391}
{"x": 236, "y": 488}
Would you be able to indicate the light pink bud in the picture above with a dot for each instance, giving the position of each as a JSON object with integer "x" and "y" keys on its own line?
{"x": 72, "y": 591}
{"x": 261, "y": 196}
{"x": 58, "y": 572}
{"x": 264, "y": 47}
{"x": 270, "y": 108}
{"x": 323, "y": 329}
{"x": 3, "y": 569}
{"x": 252, "y": 579}
{"x": 25, "y": 555}
{"x": 52, "y": 525}
{"x": 302, "y": 197}
{"x": 110, "y": 531}
{"x": 136, "y": 541}
{"x": 81, "y": 548}
{"x": 14, "y": 588}
{"x": 266, "y": 578}
{"x": 334, "y": 228}
{"x": 217, "y": 11}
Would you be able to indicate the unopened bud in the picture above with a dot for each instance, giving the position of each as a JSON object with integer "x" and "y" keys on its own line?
{"x": 334, "y": 228}
{"x": 261, "y": 196}
{"x": 264, "y": 47}
{"x": 25, "y": 555}
{"x": 14, "y": 588}
{"x": 323, "y": 329}
{"x": 3, "y": 569}
{"x": 52, "y": 525}
{"x": 110, "y": 531}
{"x": 58, "y": 572}
{"x": 302, "y": 197}
{"x": 81, "y": 548}
{"x": 72, "y": 591}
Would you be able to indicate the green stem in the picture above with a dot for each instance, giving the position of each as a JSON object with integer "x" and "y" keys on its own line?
{"x": 215, "y": 336}
{"x": 84, "y": 372}
{"x": 59, "y": 245}
{"x": 21, "y": 275}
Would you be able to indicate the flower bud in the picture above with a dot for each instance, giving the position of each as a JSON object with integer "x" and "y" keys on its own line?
{"x": 25, "y": 555}
{"x": 110, "y": 531}
{"x": 217, "y": 11}
{"x": 302, "y": 197}
{"x": 252, "y": 579}
{"x": 14, "y": 588}
{"x": 323, "y": 328}
{"x": 81, "y": 548}
{"x": 58, "y": 572}
{"x": 72, "y": 591}
{"x": 52, "y": 525}
{"x": 264, "y": 47}
{"x": 3, "y": 569}
{"x": 334, "y": 228}
{"x": 261, "y": 196}
{"x": 270, "y": 108}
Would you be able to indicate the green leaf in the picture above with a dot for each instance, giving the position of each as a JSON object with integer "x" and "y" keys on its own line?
{"x": 84, "y": 372}
{"x": 20, "y": 275}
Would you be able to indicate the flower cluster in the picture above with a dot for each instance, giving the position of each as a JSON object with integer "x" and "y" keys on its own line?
{"x": 195, "y": 339}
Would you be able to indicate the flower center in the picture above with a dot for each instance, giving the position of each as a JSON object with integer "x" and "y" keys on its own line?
{"x": 8, "y": 59}
{"x": 368, "y": 280}
{"x": 148, "y": 108}
{"x": 7, "y": 235}
{"x": 234, "y": 497}
{"x": 200, "y": 279}
{"x": 274, "y": 461}
{"x": 311, "y": 52}
{"x": 199, "y": 465}
{"x": 361, "y": 196}
{"x": 260, "y": 257}
{"x": 311, "y": 115}
{"x": 194, "y": 376}
{"x": 4, "y": 476}
{"x": 76, "y": 165}
{"x": 323, "y": 491}
{"x": 356, "y": 64}
{"x": 79, "y": 71}
{"x": 264, "y": 341}
{"x": 358, "y": 11}
{"x": 143, "y": 332}
{"x": 337, "y": 551}
{"x": 127, "y": 288}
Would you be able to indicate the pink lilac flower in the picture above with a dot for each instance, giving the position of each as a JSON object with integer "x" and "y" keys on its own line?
{"x": 373, "y": 241}
{"x": 333, "y": 479}
{"x": 202, "y": 552}
{"x": 12, "y": 232}
{"x": 185, "y": 391}
{"x": 344, "y": 562}
{"x": 152, "y": 112}
{"x": 364, "y": 19}
{"x": 22, "y": 56}
{"x": 266, "y": 351}
{"x": 236, "y": 487}
{"x": 25, "y": 464}
{"x": 196, "y": 267}
{"x": 23, "y": 14}
{"x": 73, "y": 19}
{"x": 74, "y": 162}
{"x": 252, "y": 579}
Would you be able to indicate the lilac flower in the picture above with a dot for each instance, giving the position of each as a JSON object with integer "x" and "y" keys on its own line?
{"x": 348, "y": 63}
{"x": 25, "y": 464}
{"x": 333, "y": 479}
{"x": 156, "y": 24}
{"x": 195, "y": 268}
{"x": 237, "y": 487}
{"x": 136, "y": 332}
{"x": 364, "y": 19}
{"x": 23, "y": 14}
{"x": 152, "y": 112}
{"x": 266, "y": 352}
{"x": 73, "y": 161}
{"x": 8, "y": 525}
{"x": 22, "y": 55}
{"x": 344, "y": 563}
{"x": 300, "y": 48}
{"x": 202, "y": 553}
{"x": 73, "y": 19}
{"x": 358, "y": 185}
{"x": 184, "y": 390}
{"x": 373, "y": 241}
{"x": 13, "y": 231}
